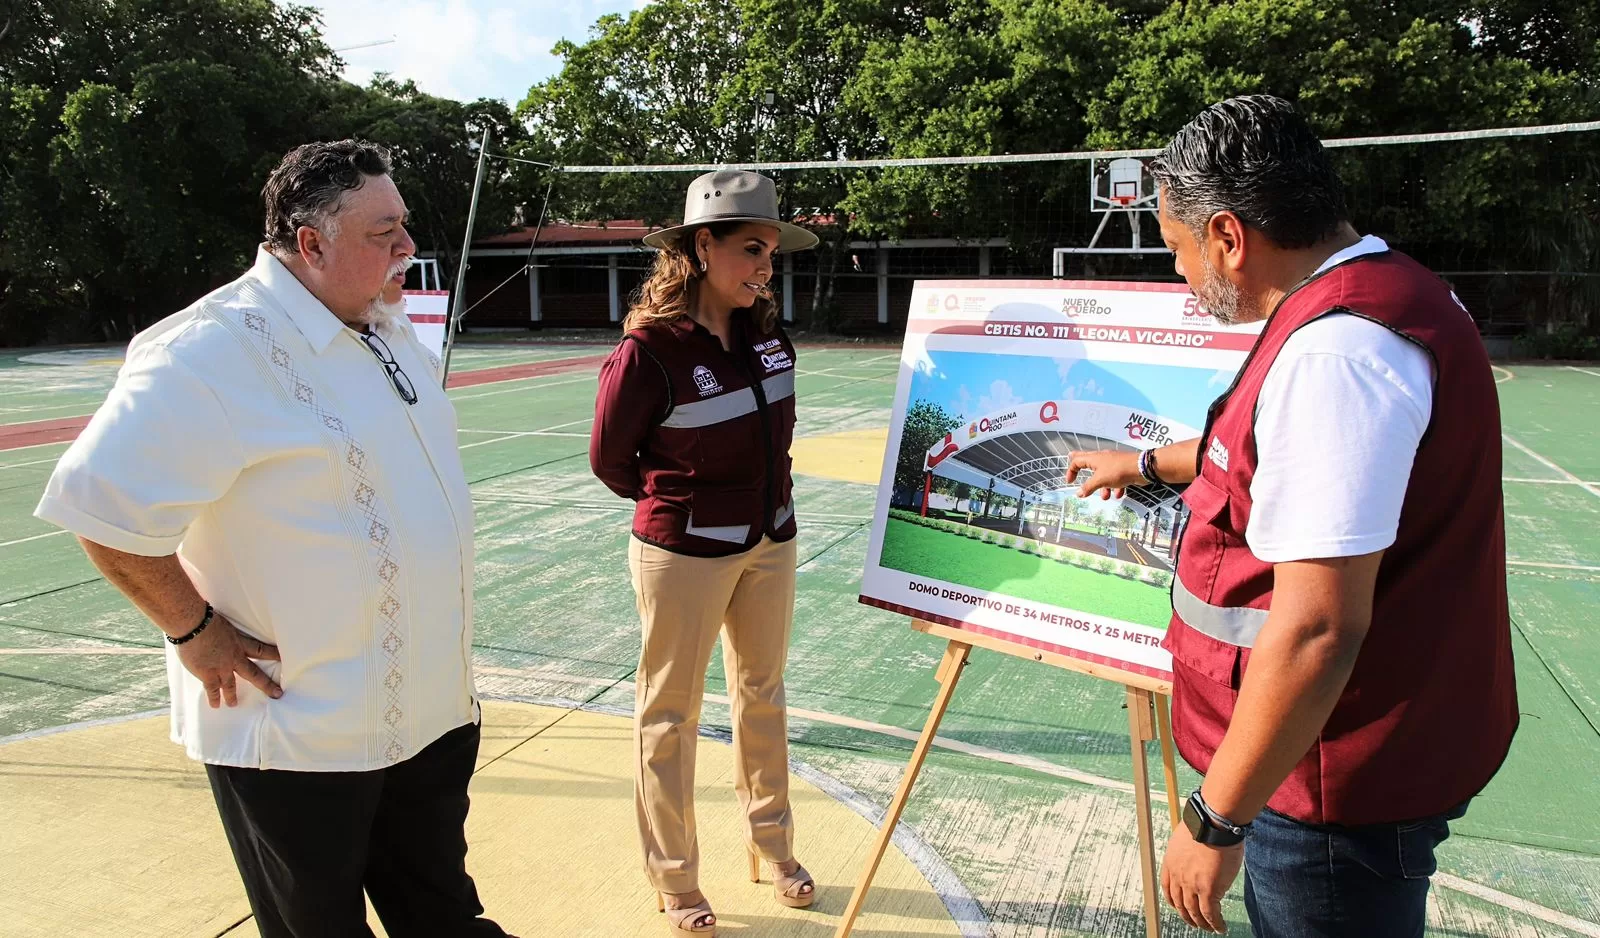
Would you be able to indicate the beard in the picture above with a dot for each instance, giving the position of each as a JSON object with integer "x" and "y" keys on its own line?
{"x": 380, "y": 313}
{"x": 1220, "y": 298}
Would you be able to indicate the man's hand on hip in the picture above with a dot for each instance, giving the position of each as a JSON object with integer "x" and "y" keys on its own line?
{"x": 1195, "y": 877}
{"x": 163, "y": 591}
{"x": 221, "y": 654}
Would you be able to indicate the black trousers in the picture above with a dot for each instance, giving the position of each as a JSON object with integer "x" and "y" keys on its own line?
{"x": 308, "y": 843}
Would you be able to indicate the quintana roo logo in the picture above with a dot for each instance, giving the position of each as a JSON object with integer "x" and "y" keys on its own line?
{"x": 706, "y": 381}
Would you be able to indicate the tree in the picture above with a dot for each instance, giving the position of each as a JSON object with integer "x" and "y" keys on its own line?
{"x": 981, "y": 77}
{"x": 963, "y": 493}
{"x": 135, "y": 137}
{"x": 140, "y": 134}
{"x": 1382, "y": 67}
{"x": 926, "y": 423}
{"x": 434, "y": 144}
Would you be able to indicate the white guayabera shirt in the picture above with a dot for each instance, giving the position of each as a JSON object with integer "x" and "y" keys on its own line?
{"x": 259, "y": 438}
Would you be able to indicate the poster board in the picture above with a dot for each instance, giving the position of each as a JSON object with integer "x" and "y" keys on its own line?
{"x": 976, "y": 526}
{"x": 428, "y": 311}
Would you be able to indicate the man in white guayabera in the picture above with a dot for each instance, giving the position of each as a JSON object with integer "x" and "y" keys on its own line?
{"x": 274, "y": 481}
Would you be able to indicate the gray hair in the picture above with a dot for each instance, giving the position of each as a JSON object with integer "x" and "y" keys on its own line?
{"x": 308, "y": 186}
{"x": 1257, "y": 157}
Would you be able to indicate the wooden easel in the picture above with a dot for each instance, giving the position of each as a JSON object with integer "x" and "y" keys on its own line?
{"x": 1148, "y": 718}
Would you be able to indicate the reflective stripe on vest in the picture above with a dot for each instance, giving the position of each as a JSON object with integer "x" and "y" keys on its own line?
{"x": 1232, "y": 625}
{"x": 728, "y": 406}
{"x": 733, "y": 533}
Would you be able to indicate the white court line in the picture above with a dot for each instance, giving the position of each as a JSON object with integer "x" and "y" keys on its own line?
{"x": 1552, "y": 566}
{"x": 1507, "y": 371}
{"x": 513, "y": 436}
{"x": 559, "y": 426}
{"x": 40, "y": 410}
{"x": 51, "y": 389}
{"x": 1583, "y": 371}
{"x": 1537, "y": 481}
{"x": 36, "y": 537}
{"x": 82, "y": 650}
{"x": 35, "y": 462}
{"x": 14, "y": 449}
{"x": 1515, "y": 904}
{"x": 954, "y": 745}
{"x": 868, "y": 361}
{"x": 1476, "y": 890}
{"x": 524, "y": 387}
{"x": 1587, "y": 487}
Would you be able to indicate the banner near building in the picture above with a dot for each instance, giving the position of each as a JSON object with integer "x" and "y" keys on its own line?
{"x": 1000, "y": 382}
{"x": 428, "y": 310}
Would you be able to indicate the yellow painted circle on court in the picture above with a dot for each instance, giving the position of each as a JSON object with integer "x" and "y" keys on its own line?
{"x": 111, "y": 830}
{"x": 850, "y": 456}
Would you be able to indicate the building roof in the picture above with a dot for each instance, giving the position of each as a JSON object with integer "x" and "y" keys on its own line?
{"x": 622, "y": 231}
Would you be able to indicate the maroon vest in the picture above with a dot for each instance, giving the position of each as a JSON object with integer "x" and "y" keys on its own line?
{"x": 1428, "y": 714}
{"x": 715, "y": 467}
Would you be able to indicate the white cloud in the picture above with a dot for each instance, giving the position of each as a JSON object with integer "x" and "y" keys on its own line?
{"x": 963, "y": 402}
{"x": 1088, "y": 389}
{"x": 1000, "y": 397}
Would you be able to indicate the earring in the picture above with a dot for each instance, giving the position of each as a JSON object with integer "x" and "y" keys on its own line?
{"x": 702, "y": 265}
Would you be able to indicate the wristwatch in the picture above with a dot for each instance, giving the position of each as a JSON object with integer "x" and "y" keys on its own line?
{"x": 1210, "y": 828}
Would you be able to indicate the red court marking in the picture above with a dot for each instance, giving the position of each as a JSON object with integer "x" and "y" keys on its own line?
{"x": 66, "y": 429}
{"x": 62, "y": 430}
{"x": 466, "y": 379}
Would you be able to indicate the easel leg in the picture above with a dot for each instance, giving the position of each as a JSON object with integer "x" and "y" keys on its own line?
{"x": 955, "y": 658}
{"x": 1168, "y": 757}
{"x": 1141, "y": 729}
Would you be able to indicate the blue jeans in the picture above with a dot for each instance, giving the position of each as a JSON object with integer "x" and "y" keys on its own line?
{"x": 1323, "y": 881}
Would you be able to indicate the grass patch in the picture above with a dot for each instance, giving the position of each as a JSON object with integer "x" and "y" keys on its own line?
{"x": 935, "y": 554}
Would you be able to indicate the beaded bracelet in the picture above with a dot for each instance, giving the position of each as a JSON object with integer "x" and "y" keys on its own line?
{"x": 204, "y": 621}
{"x": 1147, "y": 467}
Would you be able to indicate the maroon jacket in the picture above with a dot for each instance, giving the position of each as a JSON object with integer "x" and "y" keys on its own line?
{"x": 1429, "y": 711}
{"x": 699, "y": 436}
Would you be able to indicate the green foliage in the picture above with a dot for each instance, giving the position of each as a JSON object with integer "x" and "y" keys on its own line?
{"x": 926, "y": 423}
{"x": 135, "y": 137}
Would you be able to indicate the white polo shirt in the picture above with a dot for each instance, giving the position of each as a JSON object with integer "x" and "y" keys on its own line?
{"x": 259, "y": 438}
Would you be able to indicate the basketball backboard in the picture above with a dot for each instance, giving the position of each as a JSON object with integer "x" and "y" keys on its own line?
{"x": 1120, "y": 185}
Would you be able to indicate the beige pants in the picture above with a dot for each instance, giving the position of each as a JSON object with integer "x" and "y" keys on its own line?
{"x": 683, "y": 603}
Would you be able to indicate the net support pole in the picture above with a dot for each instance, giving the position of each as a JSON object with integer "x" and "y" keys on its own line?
{"x": 459, "y": 295}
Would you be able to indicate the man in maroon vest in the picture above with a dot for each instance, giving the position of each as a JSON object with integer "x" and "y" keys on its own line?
{"x": 1340, "y": 638}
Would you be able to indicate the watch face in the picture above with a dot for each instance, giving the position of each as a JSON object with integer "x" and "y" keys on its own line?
{"x": 1193, "y": 821}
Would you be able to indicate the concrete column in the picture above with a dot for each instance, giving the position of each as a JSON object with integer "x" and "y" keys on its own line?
{"x": 788, "y": 288}
{"x": 535, "y": 311}
{"x": 611, "y": 285}
{"x": 883, "y": 286}
{"x": 983, "y": 260}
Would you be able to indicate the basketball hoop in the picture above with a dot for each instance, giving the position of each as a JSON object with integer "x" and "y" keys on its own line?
{"x": 1117, "y": 186}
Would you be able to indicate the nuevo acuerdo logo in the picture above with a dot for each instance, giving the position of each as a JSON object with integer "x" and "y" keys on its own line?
{"x": 1148, "y": 429}
{"x": 1074, "y": 307}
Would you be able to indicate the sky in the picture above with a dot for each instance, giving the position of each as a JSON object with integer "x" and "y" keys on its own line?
{"x": 463, "y": 49}
{"x": 972, "y": 384}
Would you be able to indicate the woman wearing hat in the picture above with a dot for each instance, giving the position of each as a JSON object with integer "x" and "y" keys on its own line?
{"x": 693, "y": 422}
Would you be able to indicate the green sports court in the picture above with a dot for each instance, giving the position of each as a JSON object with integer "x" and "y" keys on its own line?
{"x": 1022, "y": 824}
